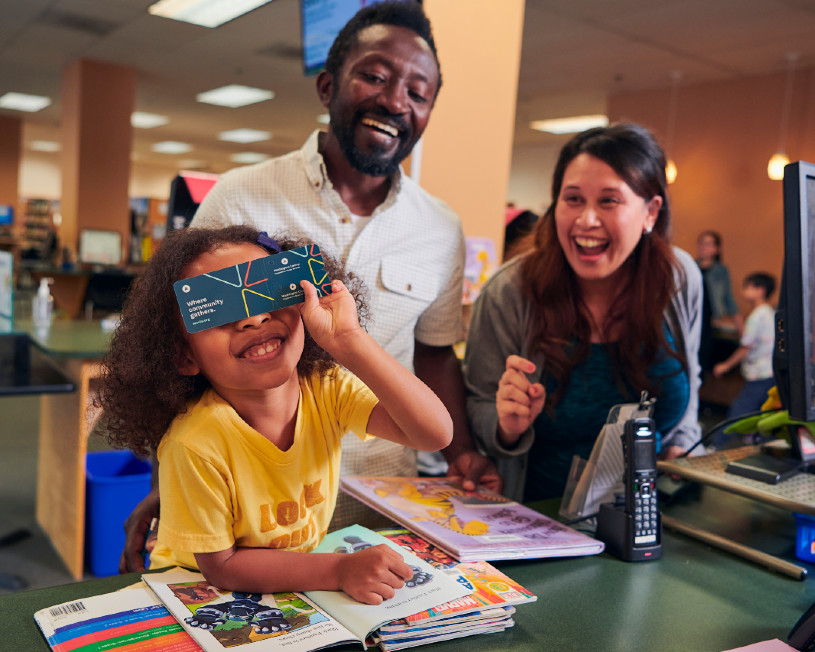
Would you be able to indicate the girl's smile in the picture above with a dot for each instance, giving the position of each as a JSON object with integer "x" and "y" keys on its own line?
{"x": 255, "y": 354}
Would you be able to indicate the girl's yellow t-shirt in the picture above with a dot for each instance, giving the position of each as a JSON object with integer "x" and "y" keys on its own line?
{"x": 222, "y": 482}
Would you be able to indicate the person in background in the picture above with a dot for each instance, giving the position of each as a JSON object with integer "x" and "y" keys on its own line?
{"x": 518, "y": 224}
{"x": 247, "y": 419}
{"x": 599, "y": 309}
{"x": 755, "y": 352}
{"x": 344, "y": 189}
{"x": 720, "y": 306}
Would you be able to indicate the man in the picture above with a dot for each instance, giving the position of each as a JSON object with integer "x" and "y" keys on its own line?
{"x": 345, "y": 190}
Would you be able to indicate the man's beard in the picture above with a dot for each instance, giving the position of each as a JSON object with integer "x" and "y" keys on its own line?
{"x": 375, "y": 163}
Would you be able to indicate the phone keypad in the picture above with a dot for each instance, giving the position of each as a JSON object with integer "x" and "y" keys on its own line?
{"x": 646, "y": 517}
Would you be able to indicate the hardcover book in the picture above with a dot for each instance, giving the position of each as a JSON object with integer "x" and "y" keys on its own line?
{"x": 469, "y": 525}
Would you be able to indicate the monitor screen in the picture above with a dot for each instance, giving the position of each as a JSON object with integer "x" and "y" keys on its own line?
{"x": 97, "y": 247}
{"x": 321, "y": 21}
{"x": 6, "y": 215}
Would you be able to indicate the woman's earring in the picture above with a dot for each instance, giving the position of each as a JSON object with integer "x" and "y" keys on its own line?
{"x": 647, "y": 230}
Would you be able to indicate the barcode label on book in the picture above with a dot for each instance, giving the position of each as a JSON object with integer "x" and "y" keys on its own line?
{"x": 67, "y": 609}
{"x": 497, "y": 538}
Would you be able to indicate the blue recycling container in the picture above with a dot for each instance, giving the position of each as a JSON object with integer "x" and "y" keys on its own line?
{"x": 116, "y": 481}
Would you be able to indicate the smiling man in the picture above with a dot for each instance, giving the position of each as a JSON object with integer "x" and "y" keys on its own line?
{"x": 344, "y": 189}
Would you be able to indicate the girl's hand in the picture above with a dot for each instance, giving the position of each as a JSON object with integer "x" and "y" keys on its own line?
{"x": 517, "y": 401}
{"x": 373, "y": 574}
{"x": 331, "y": 317}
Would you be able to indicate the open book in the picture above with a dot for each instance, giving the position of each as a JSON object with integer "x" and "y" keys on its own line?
{"x": 469, "y": 525}
{"x": 296, "y": 622}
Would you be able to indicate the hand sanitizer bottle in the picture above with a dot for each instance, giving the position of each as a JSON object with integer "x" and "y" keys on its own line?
{"x": 42, "y": 305}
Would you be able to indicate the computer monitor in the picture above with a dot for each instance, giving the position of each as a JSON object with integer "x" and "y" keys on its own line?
{"x": 6, "y": 215}
{"x": 99, "y": 247}
{"x": 793, "y": 363}
{"x": 321, "y": 21}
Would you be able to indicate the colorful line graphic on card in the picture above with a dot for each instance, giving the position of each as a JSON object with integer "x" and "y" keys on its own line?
{"x": 251, "y": 288}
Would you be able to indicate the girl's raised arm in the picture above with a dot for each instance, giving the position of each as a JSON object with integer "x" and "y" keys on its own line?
{"x": 408, "y": 412}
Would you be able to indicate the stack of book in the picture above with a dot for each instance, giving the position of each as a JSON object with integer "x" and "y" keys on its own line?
{"x": 488, "y": 608}
{"x": 453, "y": 593}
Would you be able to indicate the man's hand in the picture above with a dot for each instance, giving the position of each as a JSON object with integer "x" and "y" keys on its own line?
{"x": 470, "y": 468}
{"x": 137, "y": 527}
{"x": 373, "y": 574}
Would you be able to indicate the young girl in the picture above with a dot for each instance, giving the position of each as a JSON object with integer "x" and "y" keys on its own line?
{"x": 247, "y": 418}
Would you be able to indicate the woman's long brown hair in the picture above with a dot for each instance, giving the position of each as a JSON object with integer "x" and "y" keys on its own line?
{"x": 561, "y": 327}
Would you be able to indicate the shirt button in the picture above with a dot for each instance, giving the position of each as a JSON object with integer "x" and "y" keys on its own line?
{"x": 345, "y": 220}
{"x": 409, "y": 287}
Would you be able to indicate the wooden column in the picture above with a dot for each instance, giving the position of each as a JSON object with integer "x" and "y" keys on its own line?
{"x": 467, "y": 147}
{"x": 11, "y": 133}
{"x": 97, "y": 100}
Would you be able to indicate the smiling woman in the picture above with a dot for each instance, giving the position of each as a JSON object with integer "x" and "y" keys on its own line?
{"x": 598, "y": 308}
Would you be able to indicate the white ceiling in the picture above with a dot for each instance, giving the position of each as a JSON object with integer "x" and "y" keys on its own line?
{"x": 574, "y": 53}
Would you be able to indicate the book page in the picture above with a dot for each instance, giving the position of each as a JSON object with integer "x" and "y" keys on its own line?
{"x": 428, "y": 586}
{"x": 220, "y": 620}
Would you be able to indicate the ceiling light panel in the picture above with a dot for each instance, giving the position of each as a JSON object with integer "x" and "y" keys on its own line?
{"x": 24, "y": 102}
{"x": 207, "y": 13}
{"x": 171, "y": 147}
{"x": 244, "y": 135}
{"x": 234, "y": 96}
{"x": 142, "y": 120}
{"x": 44, "y": 146}
{"x": 571, "y": 125}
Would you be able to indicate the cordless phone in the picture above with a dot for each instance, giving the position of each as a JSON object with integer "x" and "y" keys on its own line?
{"x": 631, "y": 527}
{"x": 640, "y": 452}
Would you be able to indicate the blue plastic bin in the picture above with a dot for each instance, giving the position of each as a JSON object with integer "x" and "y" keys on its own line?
{"x": 115, "y": 483}
{"x": 805, "y": 537}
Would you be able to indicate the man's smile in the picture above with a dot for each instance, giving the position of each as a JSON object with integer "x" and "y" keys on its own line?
{"x": 381, "y": 126}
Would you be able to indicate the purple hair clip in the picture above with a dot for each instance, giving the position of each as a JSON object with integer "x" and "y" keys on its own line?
{"x": 270, "y": 243}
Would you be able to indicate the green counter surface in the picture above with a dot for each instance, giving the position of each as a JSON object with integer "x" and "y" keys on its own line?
{"x": 696, "y": 598}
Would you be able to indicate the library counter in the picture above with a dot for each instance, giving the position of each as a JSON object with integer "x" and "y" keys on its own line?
{"x": 695, "y": 598}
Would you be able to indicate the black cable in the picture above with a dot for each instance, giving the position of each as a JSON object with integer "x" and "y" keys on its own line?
{"x": 723, "y": 424}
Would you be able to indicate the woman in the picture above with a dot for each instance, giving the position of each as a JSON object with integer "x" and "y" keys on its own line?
{"x": 598, "y": 309}
{"x": 720, "y": 310}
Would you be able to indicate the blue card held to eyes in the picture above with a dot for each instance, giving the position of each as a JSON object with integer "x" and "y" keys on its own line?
{"x": 240, "y": 291}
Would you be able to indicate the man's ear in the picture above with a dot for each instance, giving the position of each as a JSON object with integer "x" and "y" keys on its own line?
{"x": 186, "y": 364}
{"x": 325, "y": 82}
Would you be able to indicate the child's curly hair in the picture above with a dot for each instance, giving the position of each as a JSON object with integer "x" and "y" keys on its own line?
{"x": 142, "y": 390}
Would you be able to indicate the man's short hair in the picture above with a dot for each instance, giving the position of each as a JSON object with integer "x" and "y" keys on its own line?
{"x": 762, "y": 280}
{"x": 409, "y": 15}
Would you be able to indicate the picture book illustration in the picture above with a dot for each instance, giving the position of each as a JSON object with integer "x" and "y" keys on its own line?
{"x": 236, "y": 618}
{"x": 250, "y": 288}
{"x": 477, "y": 524}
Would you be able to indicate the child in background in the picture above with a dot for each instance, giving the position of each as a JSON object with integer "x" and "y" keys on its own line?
{"x": 755, "y": 352}
{"x": 247, "y": 420}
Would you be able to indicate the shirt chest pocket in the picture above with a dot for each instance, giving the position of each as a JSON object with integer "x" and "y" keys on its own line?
{"x": 408, "y": 278}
